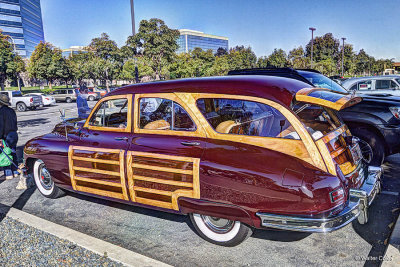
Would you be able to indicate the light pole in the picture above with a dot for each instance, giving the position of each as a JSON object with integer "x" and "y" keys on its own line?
{"x": 15, "y": 52}
{"x": 312, "y": 43}
{"x": 343, "y": 55}
{"x": 133, "y": 17}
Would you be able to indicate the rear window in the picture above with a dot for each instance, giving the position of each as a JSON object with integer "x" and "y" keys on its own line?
{"x": 326, "y": 95}
{"x": 319, "y": 80}
{"x": 16, "y": 94}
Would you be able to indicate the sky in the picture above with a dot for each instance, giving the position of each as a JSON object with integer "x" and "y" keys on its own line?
{"x": 263, "y": 25}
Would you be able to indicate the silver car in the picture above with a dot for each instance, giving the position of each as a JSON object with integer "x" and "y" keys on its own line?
{"x": 388, "y": 84}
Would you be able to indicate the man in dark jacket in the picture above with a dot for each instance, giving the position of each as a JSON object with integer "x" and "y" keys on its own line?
{"x": 8, "y": 132}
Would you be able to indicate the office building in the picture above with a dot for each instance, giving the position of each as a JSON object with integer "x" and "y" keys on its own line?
{"x": 189, "y": 39}
{"x": 22, "y": 20}
{"x": 73, "y": 50}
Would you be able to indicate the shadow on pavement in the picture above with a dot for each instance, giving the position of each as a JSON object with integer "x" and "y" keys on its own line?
{"x": 18, "y": 204}
{"x": 32, "y": 122}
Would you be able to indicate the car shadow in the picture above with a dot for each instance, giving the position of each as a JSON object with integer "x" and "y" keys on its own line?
{"x": 32, "y": 122}
{"x": 18, "y": 204}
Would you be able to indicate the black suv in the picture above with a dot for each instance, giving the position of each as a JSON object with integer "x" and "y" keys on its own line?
{"x": 375, "y": 120}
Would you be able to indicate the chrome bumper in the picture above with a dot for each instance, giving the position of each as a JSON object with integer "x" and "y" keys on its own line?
{"x": 360, "y": 200}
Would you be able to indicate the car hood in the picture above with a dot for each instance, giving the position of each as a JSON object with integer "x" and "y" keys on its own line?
{"x": 381, "y": 98}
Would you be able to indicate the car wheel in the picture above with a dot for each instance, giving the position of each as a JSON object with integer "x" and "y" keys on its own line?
{"x": 21, "y": 107}
{"x": 44, "y": 181}
{"x": 372, "y": 146}
{"x": 91, "y": 98}
{"x": 68, "y": 100}
{"x": 220, "y": 231}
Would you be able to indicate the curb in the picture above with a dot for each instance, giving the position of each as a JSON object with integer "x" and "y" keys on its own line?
{"x": 392, "y": 255}
{"x": 114, "y": 252}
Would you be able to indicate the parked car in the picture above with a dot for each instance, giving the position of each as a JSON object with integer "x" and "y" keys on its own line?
{"x": 21, "y": 102}
{"x": 100, "y": 91}
{"x": 374, "y": 85}
{"x": 64, "y": 95}
{"x": 93, "y": 96}
{"x": 47, "y": 100}
{"x": 234, "y": 153}
{"x": 376, "y": 120}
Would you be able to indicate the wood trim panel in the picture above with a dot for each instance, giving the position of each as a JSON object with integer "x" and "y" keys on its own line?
{"x": 327, "y": 156}
{"x": 192, "y": 191}
{"x": 171, "y": 96}
{"x": 75, "y": 179}
{"x": 344, "y": 102}
{"x": 304, "y": 149}
{"x": 128, "y": 128}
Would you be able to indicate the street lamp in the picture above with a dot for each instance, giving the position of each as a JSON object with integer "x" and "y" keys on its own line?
{"x": 133, "y": 18}
{"x": 312, "y": 43}
{"x": 15, "y": 52}
{"x": 343, "y": 54}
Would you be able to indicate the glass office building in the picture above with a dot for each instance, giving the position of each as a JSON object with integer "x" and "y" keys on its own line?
{"x": 189, "y": 39}
{"x": 22, "y": 20}
{"x": 73, "y": 50}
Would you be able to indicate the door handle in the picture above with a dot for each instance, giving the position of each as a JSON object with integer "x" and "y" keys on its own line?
{"x": 187, "y": 143}
{"x": 121, "y": 138}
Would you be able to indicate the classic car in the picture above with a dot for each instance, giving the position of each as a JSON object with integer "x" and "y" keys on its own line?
{"x": 234, "y": 153}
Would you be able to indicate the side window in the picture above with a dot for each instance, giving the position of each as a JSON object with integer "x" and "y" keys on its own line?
{"x": 382, "y": 84}
{"x": 354, "y": 87}
{"x": 365, "y": 85}
{"x": 111, "y": 113}
{"x": 393, "y": 85}
{"x": 164, "y": 114}
{"x": 70, "y": 92}
{"x": 233, "y": 116}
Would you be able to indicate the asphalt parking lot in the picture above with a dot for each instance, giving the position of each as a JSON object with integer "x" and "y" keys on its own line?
{"x": 170, "y": 239}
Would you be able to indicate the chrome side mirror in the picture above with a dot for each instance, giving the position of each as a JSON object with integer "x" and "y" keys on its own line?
{"x": 62, "y": 116}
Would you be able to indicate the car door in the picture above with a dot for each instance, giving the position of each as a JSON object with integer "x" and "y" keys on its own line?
{"x": 385, "y": 86}
{"x": 164, "y": 156}
{"x": 97, "y": 163}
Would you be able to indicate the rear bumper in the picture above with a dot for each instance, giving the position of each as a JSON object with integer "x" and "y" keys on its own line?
{"x": 359, "y": 202}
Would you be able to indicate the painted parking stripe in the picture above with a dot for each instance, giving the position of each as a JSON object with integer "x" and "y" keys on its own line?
{"x": 116, "y": 253}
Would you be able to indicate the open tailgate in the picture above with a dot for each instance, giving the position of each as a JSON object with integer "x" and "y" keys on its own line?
{"x": 327, "y": 98}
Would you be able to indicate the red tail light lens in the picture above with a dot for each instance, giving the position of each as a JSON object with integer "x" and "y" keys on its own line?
{"x": 31, "y": 100}
{"x": 337, "y": 195}
{"x": 47, "y": 98}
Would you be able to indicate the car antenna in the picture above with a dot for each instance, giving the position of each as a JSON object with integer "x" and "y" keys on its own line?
{"x": 62, "y": 117}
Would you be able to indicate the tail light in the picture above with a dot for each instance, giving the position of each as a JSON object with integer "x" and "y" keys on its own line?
{"x": 337, "y": 195}
{"x": 47, "y": 98}
{"x": 395, "y": 111}
{"x": 31, "y": 100}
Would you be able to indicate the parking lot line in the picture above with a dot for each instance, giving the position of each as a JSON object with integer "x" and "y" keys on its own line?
{"x": 390, "y": 193}
{"x": 116, "y": 253}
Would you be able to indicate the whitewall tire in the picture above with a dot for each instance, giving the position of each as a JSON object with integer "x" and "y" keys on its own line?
{"x": 44, "y": 181}
{"x": 220, "y": 231}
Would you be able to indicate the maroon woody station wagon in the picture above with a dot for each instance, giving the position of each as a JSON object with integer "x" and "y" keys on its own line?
{"x": 234, "y": 153}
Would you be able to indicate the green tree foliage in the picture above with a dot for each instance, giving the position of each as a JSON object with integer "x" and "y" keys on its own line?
{"x": 241, "y": 57}
{"x": 78, "y": 66}
{"x": 156, "y": 42}
{"x": 106, "y": 59}
{"x": 297, "y": 58}
{"x": 278, "y": 59}
{"x": 128, "y": 70}
{"x": 10, "y": 63}
{"x": 324, "y": 47}
{"x": 47, "y": 63}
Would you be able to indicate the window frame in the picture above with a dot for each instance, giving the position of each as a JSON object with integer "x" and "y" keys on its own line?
{"x": 128, "y": 127}
{"x": 199, "y": 132}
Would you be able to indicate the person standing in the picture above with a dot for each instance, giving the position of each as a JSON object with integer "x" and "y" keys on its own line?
{"x": 8, "y": 132}
{"x": 81, "y": 102}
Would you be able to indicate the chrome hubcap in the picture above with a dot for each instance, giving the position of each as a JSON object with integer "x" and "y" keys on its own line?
{"x": 218, "y": 225}
{"x": 45, "y": 178}
{"x": 366, "y": 151}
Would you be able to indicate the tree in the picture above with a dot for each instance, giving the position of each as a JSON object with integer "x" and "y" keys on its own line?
{"x": 156, "y": 42}
{"x": 59, "y": 68}
{"x": 297, "y": 59}
{"x": 40, "y": 62}
{"x": 128, "y": 70}
{"x": 108, "y": 62}
{"x": 220, "y": 66}
{"x": 262, "y": 62}
{"x": 324, "y": 47}
{"x": 363, "y": 62}
{"x": 78, "y": 66}
{"x": 242, "y": 58}
{"x": 221, "y": 52}
{"x": 10, "y": 63}
{"x": 278, "y": 59}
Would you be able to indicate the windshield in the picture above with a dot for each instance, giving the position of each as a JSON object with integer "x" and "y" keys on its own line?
{"x": 319, "y": 80}
{"x": 398, "y": 80}
{"x": 318, "y": 120}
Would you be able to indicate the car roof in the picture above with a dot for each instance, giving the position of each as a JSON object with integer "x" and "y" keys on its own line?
{"x": 278, "y": 89}
{"x": 366, "y": 78}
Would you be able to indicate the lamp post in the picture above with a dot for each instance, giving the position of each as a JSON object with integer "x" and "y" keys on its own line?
{"x": 133, "y": 17}
{"x": 15, "y": 52}
{"x": 312, "y": 43}
{"x": 343, "y": 54}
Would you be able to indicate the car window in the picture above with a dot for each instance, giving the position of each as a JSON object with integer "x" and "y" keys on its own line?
{"x": 382, "y": 84}
{"x": 70, "y": 92}
{"x": 393, "y": 85}
{"x": 164, "y": 114}
{"x": 111, "y": 113}
{"x": 233, "y": 116}
{"x": 16, "y": 94}
{"x": 364, "y": 85}
{"x": 63, "y": 92}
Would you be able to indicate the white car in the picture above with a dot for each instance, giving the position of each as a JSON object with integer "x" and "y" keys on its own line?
{"x": 46, "y": 99}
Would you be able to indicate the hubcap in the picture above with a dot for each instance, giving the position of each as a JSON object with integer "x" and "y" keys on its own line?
{"x": 45, "y": 178}
{"x": 218, "y": 225}
{"x": 366, "y": 151}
